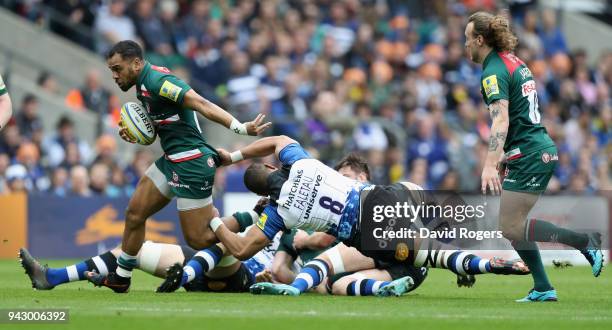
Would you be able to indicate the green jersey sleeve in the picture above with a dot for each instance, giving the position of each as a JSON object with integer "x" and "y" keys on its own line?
{"x": 171, "y": 88}
{"x": 495, "y": 85}
{"x": 2, "y": 87}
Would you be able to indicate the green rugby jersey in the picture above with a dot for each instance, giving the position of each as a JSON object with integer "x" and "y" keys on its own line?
{"x": 162, "y": 94}
{"x": 2, "y": 87}
{"x": 506, "y": 77}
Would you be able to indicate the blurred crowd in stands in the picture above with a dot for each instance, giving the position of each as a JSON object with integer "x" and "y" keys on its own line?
{"x": 386, "y": 78}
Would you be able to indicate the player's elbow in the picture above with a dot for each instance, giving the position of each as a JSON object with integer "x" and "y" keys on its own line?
{"x": 243, "y": 255}
{"x": 282, "y": 141}
{"x": 503, "y": 122}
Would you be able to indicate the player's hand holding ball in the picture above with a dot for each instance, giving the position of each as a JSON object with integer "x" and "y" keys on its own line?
{"x": 125, "y": 134}
{"x": 135, "y": 125}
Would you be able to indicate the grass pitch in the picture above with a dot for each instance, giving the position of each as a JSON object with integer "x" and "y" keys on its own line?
{"x": 585, "y": 303}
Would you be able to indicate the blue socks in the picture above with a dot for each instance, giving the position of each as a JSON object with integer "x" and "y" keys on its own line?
{"x": 364, "y": 287}
{"x": 56, "y": 276}
{"x": 311, "y": 275}
{"x": 463, "y": 263}
{"x": 102, "y": 264}
{"x": 203, "y": 261}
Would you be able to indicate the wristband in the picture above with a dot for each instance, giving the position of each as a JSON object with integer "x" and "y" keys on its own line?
{"x": 238, "y": 127}
{"x": 236, "y": 156}
{"x": 215, "y": 223}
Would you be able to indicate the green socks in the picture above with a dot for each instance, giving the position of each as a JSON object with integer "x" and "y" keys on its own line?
{"x": 528, "y": 251}
{"x": 543, "y": 231}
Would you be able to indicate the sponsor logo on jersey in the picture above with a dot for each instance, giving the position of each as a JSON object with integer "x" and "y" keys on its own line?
{"x": 546, "y": 157}
{"x": 303, "y": 193}
{"x": 207, "y": 186}
{"x": 170, "y": 91}
{"x": 528, "y": 87}
{"x": 490, "y": 85}
{"x": 175, "y": 177}
{"x": 210, "y": 162}
{"x": 261, "y": 223}
{"x": 532, "y": 182}
{"x": 525, "y": 73}
{"x": 142, "y": 117}
{"x": 401, "y": 252}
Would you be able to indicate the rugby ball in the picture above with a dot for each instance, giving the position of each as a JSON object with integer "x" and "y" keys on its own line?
{"x": 139, "y": 125}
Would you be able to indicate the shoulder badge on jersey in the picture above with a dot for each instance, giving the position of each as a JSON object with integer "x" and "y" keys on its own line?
{"x": 261, "y": 223}
{"x": 170, "y": 91}
{"x": 490, "y": 85}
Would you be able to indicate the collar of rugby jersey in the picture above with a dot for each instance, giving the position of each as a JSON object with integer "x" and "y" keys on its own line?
{"x": 145, "y": 70}
{"x": 488, "y": 57}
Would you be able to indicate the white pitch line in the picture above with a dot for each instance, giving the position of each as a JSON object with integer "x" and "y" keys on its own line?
{"x": 313, "y": 313}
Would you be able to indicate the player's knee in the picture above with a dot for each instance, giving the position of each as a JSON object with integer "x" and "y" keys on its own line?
{"x": 510, "y": 230}
{"x": 200, "y": 241}
{"x": 134, "y": 218}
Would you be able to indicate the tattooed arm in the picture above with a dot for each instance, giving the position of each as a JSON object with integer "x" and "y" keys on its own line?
{"x": 499, "y": 130}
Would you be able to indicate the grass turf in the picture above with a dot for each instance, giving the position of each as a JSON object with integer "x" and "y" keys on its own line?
{"x": 585, "y": 303}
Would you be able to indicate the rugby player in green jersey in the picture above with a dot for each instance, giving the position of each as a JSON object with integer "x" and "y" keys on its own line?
{"x": 520, "y": 147}
{"x": 6, "y": 108}
{"x": 187, "y": 168}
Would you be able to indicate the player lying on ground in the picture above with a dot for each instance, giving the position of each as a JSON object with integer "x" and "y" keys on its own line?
{"x": 329, "y": 202}
{"x": 360, "y": 283}
{"x": 284, "y": 265}
{"x": 187, "y": 168}
{"x": 300, "y": 244}
{"x": 229, "y": 275}
{"x": 508, "y": 88}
